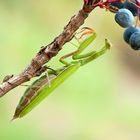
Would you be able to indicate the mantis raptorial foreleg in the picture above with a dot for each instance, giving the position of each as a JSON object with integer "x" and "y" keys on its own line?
{"x": 41, "y": 89}
{"x": 77, "y": 54}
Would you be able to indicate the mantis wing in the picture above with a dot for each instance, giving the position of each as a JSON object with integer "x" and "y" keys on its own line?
{"x": 32, "y": 98}
{"x": 42, "y": 89}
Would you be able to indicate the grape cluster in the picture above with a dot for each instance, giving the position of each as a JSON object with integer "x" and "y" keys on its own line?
{"x": 125, "y": 18}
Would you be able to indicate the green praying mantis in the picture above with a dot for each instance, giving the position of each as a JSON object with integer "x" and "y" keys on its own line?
{"x": 41, "y": 88}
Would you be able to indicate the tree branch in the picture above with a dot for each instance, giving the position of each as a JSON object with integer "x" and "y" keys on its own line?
{"x": 49, "y": 51}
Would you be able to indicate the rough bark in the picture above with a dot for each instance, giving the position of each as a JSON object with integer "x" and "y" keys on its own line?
{"x": 49, "y": 51}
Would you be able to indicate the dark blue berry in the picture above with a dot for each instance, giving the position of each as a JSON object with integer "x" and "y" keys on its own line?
{"x": 135, "y": 41}
{"x": 130, "y": 6}
{"x": 129, "y": 31}
{"x": 124, "y": 18}
{"x": 119, "y": 5}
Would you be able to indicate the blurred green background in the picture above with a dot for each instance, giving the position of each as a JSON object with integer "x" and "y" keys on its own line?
{"x": 99, "y": 102}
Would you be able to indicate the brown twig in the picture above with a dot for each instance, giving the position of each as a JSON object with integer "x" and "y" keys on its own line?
{"x": 49, "y": 51}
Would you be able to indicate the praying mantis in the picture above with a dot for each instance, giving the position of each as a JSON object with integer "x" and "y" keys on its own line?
{"x": 41, "y": 88}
